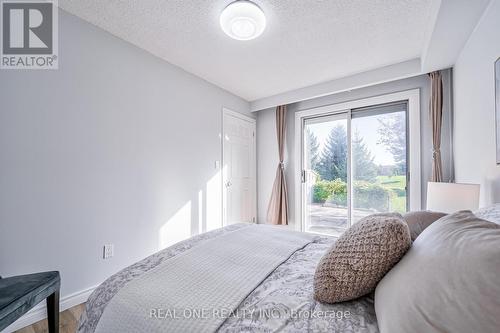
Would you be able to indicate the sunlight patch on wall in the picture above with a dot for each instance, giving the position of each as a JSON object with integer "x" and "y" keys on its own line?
{"x": 177, "y": 228}
{"x": 201, "y": 227}
{"x": 214, "y": 202}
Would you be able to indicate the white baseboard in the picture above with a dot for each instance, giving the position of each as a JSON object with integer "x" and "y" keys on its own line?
{"x": 39, "y": 312}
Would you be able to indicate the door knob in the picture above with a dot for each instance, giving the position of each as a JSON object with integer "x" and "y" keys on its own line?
{"x": 228, "y": 183}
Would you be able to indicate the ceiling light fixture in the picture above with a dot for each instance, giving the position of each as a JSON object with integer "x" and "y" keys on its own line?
{"x": 243, "y": 20}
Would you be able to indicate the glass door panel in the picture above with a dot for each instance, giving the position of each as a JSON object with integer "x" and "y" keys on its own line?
{"x": 379, "y": 160}
{"x": 325, "y": 174}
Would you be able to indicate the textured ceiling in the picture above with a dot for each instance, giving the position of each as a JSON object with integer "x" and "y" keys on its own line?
{"x": 305, "y": 42}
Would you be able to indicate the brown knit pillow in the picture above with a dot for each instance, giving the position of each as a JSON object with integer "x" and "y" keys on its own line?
{"x": 418, "y": 221}
{"x": 361, "y": 257}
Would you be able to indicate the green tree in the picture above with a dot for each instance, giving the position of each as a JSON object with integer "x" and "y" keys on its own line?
{"x": 363, "y": 166}
{"x": 333, "y": 162}
{"x": 392, "y": 134}
{"x": 312, "y": 149}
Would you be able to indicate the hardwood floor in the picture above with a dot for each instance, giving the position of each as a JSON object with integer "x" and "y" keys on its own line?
{"x": 68, "y": 322}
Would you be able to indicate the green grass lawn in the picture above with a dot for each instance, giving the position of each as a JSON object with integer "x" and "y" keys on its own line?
{"x": 397, "y": 184}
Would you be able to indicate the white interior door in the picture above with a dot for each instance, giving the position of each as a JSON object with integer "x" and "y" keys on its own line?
{"x": 239, "y": 168}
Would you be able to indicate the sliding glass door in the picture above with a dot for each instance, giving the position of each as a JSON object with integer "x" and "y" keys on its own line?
{"x": 326, "y": 173}
{"x": 355, "y": 163}
{"x": 379, "y": 160}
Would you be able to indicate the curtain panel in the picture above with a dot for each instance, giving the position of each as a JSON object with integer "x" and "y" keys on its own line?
{"x": 277, "y": 212}
{"x": 436, "y": 117}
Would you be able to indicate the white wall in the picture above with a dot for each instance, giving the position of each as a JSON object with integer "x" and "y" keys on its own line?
{"x": 114, "y": 147}
{"x": 474, "y": 103}
{"x": 267, "y": 149}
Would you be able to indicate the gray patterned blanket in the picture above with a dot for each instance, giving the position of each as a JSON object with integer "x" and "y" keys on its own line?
{"x": 282, "y": 302}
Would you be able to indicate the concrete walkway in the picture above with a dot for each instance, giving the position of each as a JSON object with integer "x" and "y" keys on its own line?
{"x": 331, "y": 220}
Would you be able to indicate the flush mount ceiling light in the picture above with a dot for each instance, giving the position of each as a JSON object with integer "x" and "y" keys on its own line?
{"x": 243, "y": 20}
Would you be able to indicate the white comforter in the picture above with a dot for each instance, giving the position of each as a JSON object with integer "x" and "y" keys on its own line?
{"x": 198, "y": 289}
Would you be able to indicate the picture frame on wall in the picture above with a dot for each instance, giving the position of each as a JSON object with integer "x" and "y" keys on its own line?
{"x": 497, "y": 106}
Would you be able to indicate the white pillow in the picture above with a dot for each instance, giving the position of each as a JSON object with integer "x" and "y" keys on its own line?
{"x": 449, "y": 280}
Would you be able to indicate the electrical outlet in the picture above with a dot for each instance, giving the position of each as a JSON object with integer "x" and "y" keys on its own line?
{"x": 108, "y": 251}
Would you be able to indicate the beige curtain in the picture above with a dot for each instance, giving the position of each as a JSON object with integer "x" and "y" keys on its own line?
{"x": 436, "y": 116}
{"x": 277, "y": 212}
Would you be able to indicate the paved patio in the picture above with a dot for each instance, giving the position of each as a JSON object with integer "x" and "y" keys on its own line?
{"x": 331, "y": 220}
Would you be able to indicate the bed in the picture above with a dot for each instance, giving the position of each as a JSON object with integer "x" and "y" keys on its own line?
{"x": 281, "y": 301}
